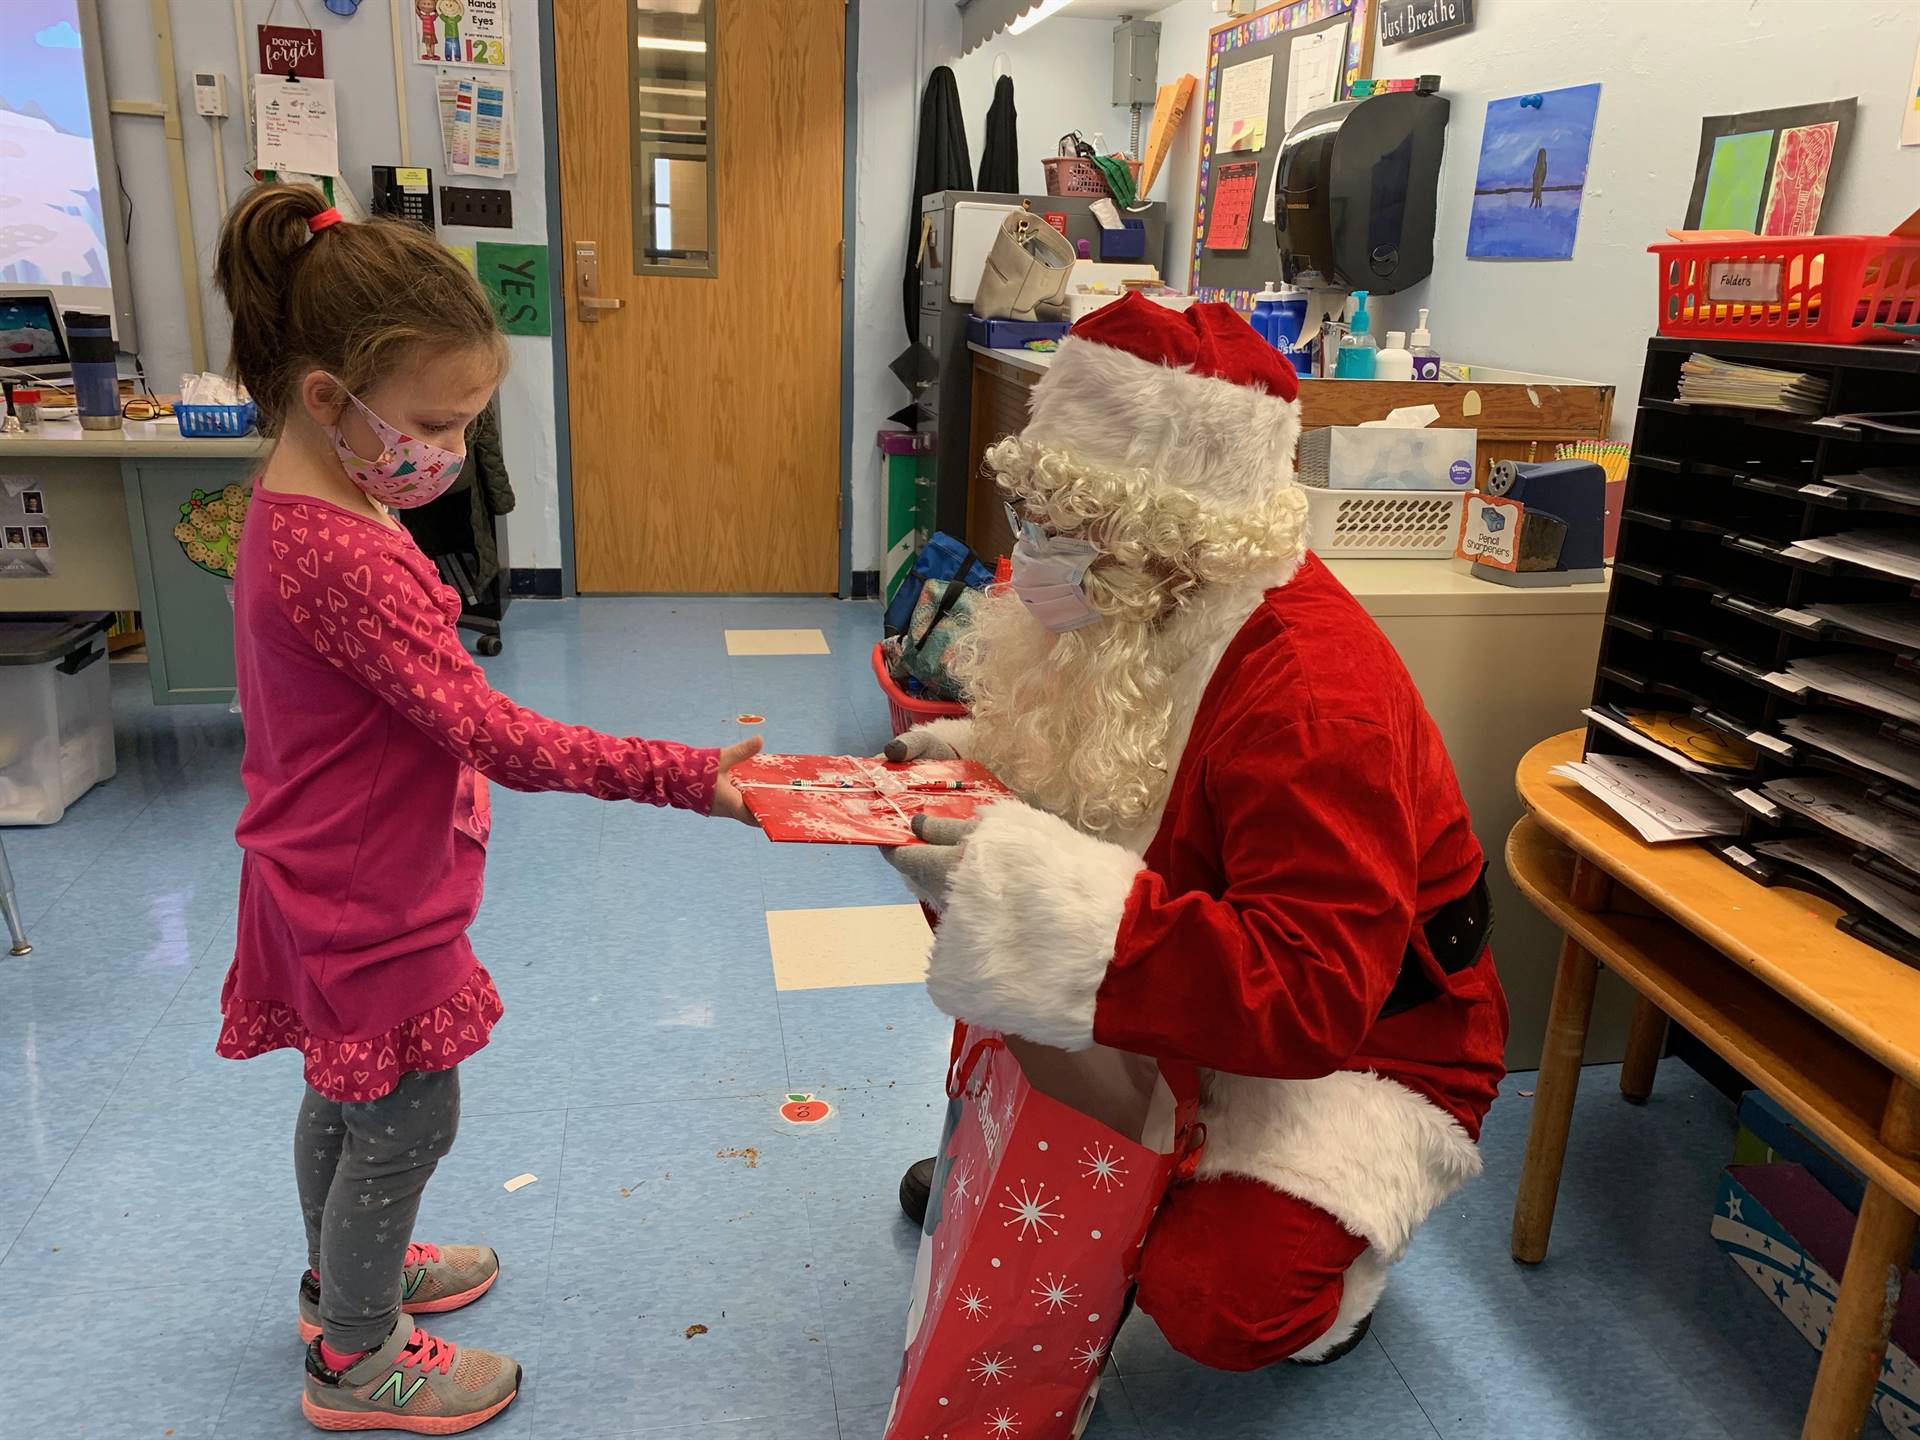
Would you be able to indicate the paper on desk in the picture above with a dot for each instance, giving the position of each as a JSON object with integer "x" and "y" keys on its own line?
{"x": 1407, "y": 417}
{"x": 1858, "y": 739}
{"x": 1833, "y": 861}
{"x": 1844, "y": 807}
{"x": 1870, "y": 680}
{"x": 1659, "y": 803}
{"x": 1888, "y": 551}
{"x": 1651, "y": 746}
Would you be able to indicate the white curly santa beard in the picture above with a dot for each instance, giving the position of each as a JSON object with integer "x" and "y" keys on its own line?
{"x": 1075, "y": 724}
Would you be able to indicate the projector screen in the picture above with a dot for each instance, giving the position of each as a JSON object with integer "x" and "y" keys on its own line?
{"x": 60, "y": 214}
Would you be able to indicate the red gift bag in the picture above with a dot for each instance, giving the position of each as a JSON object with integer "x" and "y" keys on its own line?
{"x": 1050, "y": 1169}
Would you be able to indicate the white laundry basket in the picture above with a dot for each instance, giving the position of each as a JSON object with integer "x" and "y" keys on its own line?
{"x": 56, "y": 714}
{"x": 1362, "y": 523}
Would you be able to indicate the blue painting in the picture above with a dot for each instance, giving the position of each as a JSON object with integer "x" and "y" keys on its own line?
{"x": 1533, "y": 171}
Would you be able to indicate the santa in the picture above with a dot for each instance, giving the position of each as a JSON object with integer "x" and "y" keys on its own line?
{"x": 1239, "y": 842}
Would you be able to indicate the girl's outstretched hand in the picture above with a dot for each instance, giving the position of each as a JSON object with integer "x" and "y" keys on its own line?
{"x": 727, "y": 800}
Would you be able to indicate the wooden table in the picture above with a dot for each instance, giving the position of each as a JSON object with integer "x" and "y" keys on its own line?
{"x": 1826, "y": 1025}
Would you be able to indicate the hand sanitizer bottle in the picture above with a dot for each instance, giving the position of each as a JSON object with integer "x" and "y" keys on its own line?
{"x": 1356, "y": 358}
{"x": 1426, "y": 359}
{"x": 1394, "y": 362}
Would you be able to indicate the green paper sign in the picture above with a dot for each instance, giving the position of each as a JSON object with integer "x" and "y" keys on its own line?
{"x": 515, "y": 279}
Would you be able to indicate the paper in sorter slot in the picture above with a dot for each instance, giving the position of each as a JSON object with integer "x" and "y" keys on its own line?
{"x": 1658, "y": 801}
{"x": 847, "y": 800}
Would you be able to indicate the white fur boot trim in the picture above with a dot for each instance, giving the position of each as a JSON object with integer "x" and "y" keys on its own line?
{"x": 1359, "y": 1293}
{"x": 1030, "y": 926}
{"x": 1370, "y": 1152}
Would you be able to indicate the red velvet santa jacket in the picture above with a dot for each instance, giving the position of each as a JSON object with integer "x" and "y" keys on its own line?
{"x": 1313, "y": 823}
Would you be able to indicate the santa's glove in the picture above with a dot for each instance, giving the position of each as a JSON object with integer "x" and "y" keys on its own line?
{"x": 929, "y": 866}
{"x": 922, "y": 743}
{"x": 1030, "y": 917}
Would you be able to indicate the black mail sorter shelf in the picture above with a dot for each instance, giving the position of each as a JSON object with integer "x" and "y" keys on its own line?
{"x": 1708, "y": 607}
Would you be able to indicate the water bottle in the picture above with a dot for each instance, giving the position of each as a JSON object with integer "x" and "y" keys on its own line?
{"x": 96, "y": 376}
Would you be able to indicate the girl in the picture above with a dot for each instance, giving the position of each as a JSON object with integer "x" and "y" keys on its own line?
{"x": 368, "y": 349}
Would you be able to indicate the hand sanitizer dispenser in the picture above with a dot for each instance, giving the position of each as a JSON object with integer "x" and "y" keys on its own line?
{"x": 1357, "y": 185}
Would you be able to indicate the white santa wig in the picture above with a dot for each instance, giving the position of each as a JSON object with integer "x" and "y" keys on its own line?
{"x": 1165, "y": 438}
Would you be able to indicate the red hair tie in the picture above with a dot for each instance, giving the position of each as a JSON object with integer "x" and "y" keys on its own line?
{"x": 325, "y": 220}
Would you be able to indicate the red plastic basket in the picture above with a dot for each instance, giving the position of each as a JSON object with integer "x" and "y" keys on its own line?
{"x": 1822, "y": 289}
{"x": 907, "y": 711}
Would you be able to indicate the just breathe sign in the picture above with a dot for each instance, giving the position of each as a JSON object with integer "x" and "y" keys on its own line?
{"x": 1422, "y": 19}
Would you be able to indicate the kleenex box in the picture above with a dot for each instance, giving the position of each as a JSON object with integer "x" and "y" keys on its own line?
{"x": 1387, "y": 457}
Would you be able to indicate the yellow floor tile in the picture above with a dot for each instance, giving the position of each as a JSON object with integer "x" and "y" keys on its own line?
{"x": 776, "y": 642}
{"x": 851, "y": 945}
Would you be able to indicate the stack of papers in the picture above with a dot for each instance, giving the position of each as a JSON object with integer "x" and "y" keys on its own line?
{"x": 1707, "y": 381}
{"x": 1894, "y": 624}
{"x": 1883, "y": 483}
{"x": 1693, "y": 745}
{"x": 1874, "y": 681}
{"x": 1832, "y": 861}
{"x": 1891, "y": 552}
{"x": 1859, "y": 740}
{"x": 1661, "y": 804}
{"x": 1845, "y": 807}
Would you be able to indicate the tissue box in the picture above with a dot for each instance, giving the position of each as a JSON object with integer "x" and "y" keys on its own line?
{"x": 1385, "y": 457}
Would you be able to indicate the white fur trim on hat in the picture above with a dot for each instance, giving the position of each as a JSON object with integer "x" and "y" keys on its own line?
{"x": 1030, "y": 926}
{"x": 1360, "y": 1291}
{"x": 1368, "y": 1151}
{"x": 1231, "y": 445}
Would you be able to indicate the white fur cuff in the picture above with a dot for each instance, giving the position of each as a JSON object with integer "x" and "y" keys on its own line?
{"x": 1030, "y": 926}
{"x": 956, "y": 735}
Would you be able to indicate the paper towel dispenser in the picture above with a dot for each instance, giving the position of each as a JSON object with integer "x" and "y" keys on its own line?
{"x": 1356, "y": 188}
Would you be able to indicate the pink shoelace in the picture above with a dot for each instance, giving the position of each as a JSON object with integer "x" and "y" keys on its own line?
{"x": 429, "y": 1352}
{"x": 418, "y": 1254}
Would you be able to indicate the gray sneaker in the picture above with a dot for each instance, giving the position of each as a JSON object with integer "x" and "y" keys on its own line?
{"x": 436, "y": 1279}
{"x": 415, "y": 1382}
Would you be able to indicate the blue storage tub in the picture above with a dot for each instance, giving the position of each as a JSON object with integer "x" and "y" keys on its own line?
{"x": 215, "y": 422}
{"x": 1012, "y": 334}
{"x": 1129, "y": 242}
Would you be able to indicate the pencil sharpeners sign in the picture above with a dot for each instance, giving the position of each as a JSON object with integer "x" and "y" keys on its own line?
{"x": 1752, "y": 280}
{"x": 515, "y": 279}
{"x": 1422, "y": 19}
{"x": 1490, "y": 532}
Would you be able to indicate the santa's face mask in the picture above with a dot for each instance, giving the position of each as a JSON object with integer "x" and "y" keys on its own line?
{"x": 406, "y": 473}
{"x": 1049, "y": 575}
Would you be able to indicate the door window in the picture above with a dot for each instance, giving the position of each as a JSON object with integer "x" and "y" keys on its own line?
{"x": 670, "y": 65}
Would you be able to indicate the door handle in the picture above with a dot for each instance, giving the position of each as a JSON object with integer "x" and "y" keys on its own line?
{"x": 586, "y": 283}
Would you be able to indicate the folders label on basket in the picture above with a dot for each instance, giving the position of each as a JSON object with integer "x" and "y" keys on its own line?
{"x": 1750, "y": 280}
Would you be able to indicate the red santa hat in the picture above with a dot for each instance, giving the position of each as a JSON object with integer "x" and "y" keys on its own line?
{"x": 1193, "y": 399}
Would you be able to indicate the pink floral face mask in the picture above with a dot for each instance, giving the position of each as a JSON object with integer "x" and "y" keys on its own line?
{"x": 406, "y": 473}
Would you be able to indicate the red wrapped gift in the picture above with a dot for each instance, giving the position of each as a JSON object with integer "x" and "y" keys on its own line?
{"x": 846, "y": 800}
{"x": 1049, "y": 1171}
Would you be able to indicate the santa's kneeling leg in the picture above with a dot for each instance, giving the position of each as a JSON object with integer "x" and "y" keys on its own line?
{"x": 1239, "y": 1276}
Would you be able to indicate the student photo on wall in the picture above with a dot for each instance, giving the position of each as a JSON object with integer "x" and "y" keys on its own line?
{"x": 17, "y": 537}
{"x": 38, "y": 537}
{"x": 33, "y": 502}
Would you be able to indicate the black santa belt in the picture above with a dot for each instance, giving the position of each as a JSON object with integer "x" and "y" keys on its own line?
{"x": 1457, "y": 934}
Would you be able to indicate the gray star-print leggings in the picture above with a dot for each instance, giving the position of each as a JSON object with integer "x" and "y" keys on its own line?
{"x": 361, "y": 1169}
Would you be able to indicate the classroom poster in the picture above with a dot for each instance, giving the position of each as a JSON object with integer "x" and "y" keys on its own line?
{"x": 462, "y": 32}
{"x": 476, "y": 123}
{"x": 1230, "y": 223}
{"x": 1767, "y": 170}
{"x": 1910, "y": 106}
{"x": 295, "y": 126}
{"x": 1245, "y": 91}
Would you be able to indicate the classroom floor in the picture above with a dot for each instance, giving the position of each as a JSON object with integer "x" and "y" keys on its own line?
{"x": 149, "y": 1238}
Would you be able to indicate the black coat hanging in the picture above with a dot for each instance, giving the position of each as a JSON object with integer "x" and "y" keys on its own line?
{"x": 943, "y": 164}
{"x": 1000, "y": 156}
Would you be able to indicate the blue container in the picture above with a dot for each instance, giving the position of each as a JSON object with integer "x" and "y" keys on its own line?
{"x": 1129, "y": 242}
{"x": 1279, "y": 316}
{"x": 215, "y": 422}
{"x": 1013, "y": 334}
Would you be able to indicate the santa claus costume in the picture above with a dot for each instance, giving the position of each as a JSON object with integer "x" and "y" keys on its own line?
{"x": 1240, "y": 842}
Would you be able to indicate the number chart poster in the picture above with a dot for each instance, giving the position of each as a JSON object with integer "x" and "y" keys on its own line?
{"x": 462, "y": 32}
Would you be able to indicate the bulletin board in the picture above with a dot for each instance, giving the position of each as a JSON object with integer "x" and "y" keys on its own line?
{"x": 1235, "y": 276}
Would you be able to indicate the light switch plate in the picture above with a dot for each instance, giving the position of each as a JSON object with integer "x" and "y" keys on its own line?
{"x": 483, "y": 209}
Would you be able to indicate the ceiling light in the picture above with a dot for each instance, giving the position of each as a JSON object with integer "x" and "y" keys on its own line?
{"x": 1033, "y": 17}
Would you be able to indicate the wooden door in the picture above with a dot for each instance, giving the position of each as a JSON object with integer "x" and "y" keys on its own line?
{"x": 705, "y": 409}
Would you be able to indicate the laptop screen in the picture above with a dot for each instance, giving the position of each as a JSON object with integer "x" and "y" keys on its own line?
{"x": 30, "y": 332}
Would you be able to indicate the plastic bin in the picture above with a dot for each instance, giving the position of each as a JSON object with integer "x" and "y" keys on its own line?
{"x": 906, "y": 711}
{"x": 1821, "y": 289}
{"x": 56, "y": 714}
{"x": 1362, "y": 523}
{"x": 215, "y": 422}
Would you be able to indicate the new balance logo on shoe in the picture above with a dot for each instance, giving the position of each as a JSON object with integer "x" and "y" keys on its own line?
{"x": 395, "y": 1382}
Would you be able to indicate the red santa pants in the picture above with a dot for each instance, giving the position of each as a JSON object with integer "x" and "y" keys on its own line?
{"x": 1239, "y": 1275}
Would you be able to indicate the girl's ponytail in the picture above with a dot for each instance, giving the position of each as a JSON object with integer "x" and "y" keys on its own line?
{"x": 349, "y": 298}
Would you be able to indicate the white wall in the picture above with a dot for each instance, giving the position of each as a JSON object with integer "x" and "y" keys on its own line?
{"x": 1590, "y": 317}
{"x": 359, "y": 58}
